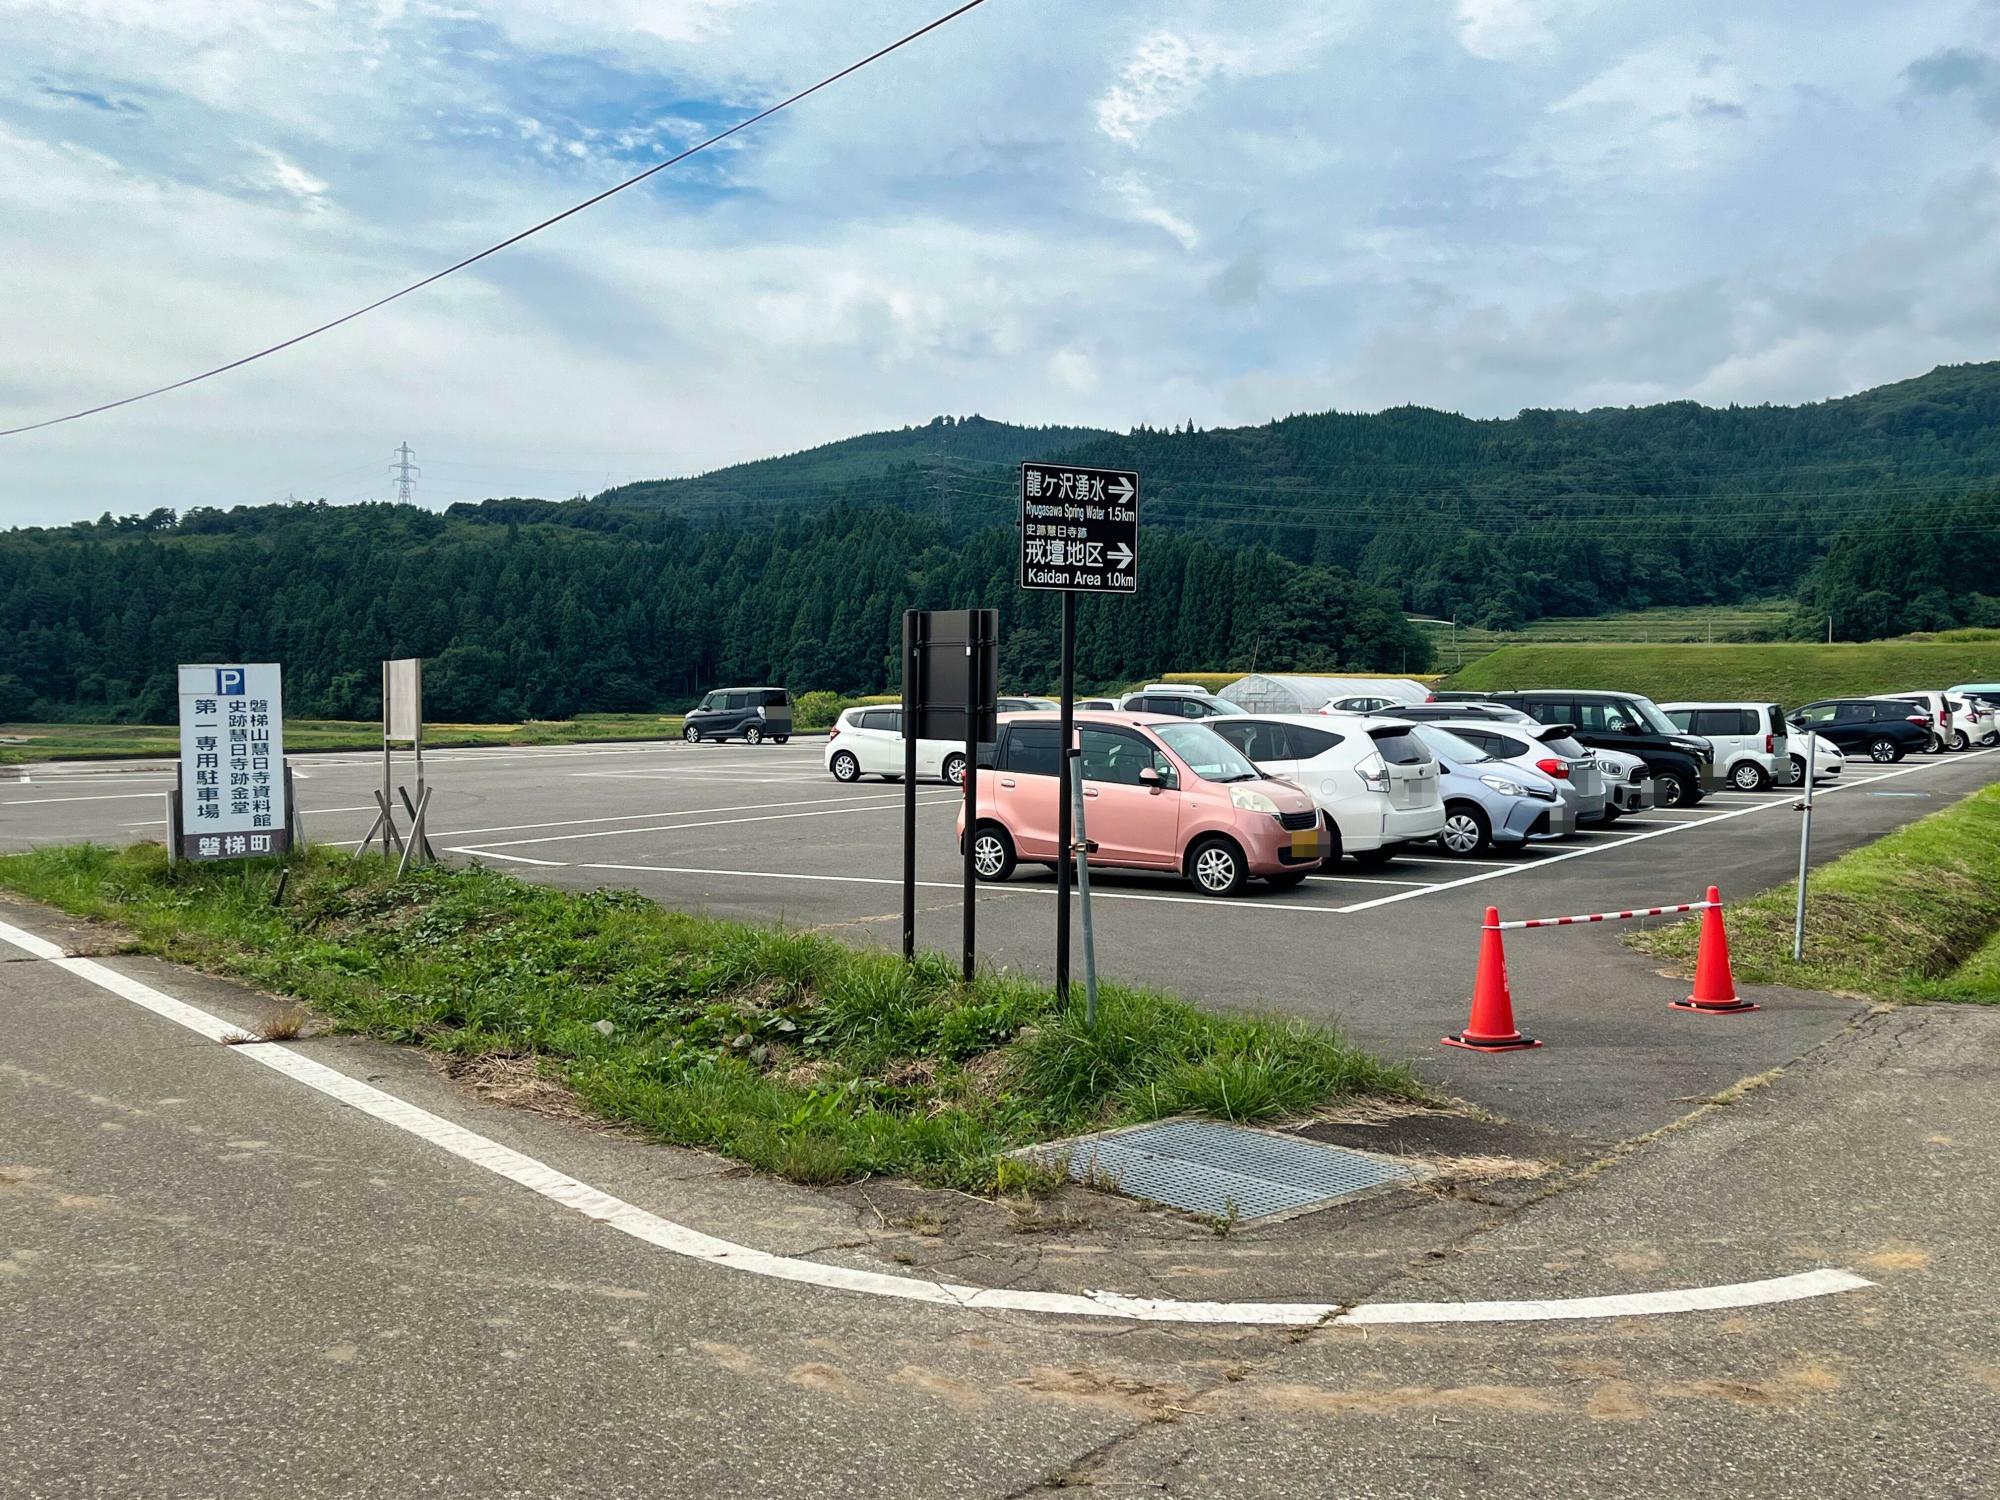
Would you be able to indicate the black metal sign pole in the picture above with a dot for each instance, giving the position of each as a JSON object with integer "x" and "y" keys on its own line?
{"x": 1065, "y": 812}
{"x": 910, "y": 649}
{"x": 975, "y": 695}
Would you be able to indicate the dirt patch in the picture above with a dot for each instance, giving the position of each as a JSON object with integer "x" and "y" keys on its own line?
{"x": 1615, "y": 1401}
{"x": 1388, "y": 1401}
{"x": 818, "y": 1377}
{"x": 953, "y": 1392}
{"x": 1903, "y": 1258}
{"x": 1108, "y": 1391}
{"x": 1804, "y": 1378}
{"x": 518, "y": 1081}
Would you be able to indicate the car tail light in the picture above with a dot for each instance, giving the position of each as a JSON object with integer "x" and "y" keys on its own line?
{"x": 1770, "y": 744}
{"x": 1430, "y": 697}
{"x": 1943, "y": 717}
{"x": 1922, "y": 721}
{"x": 1374, "y": 773}
{"x": 1548, "y": 765}
{"x": 833, "y": 734}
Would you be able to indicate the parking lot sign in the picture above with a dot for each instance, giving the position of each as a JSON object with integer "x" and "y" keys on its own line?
{"x": 232, "y": 773}
{"x": 1079, "y": 529}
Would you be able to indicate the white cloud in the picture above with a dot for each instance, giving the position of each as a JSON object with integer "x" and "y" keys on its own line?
{"x": 291, "y": 179}
{"x": 1164, "y": 75}
{"x": 1679, "y": 105}
{"x": 1509, "y": 30}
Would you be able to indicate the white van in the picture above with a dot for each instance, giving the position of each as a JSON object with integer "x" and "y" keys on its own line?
{"x": 869, "y": 742}
{"x": 1373, "y": 780}
{"x": 1749, "y": 738}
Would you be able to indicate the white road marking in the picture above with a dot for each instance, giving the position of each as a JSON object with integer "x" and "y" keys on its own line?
{"x": 1097, "y": 892}
{"x": 650, "y": 1228}
{"x": 101, "y": 797}
{"x": 512, "y": 859}
{"x": 460, "y": 833}
{"x": 893, "y": 804}
{"x": 1659, "y": 832}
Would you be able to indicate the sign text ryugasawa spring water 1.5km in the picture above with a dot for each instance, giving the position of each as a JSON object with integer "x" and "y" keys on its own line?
{"x": 1079, "y": 529}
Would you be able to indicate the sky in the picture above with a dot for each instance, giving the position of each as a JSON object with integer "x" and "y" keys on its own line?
{"x": 1109, "y": 212}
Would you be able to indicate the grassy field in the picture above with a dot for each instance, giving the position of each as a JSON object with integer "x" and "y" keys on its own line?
{"x": 1790, "y": 673}
{"x": 785, "y": 1050}
{"x": 1720, "y": 623}
{"x": 33, "y": 742}
{"x": 1912, "y": 916}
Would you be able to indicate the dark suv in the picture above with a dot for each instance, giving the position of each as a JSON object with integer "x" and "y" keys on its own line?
{"x": 1680, "y": 763}
{"x": 751, "y": 714}
{"x": 1882, "y": 729}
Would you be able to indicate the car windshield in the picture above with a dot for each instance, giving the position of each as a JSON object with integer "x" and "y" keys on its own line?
{"x": 1207, "y": 753}
{"x": 1650, "y": 715}
{"x": 1447, "y": 746}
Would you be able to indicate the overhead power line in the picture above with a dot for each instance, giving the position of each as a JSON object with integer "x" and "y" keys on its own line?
{"x": 513, "y": 239}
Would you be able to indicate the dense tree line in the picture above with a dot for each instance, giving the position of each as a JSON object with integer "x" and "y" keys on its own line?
{"x": 1931, "y": 568}
{"x": 528, "y": 609}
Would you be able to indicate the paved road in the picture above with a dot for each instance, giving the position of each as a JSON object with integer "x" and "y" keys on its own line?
{"x": 765, "y": 834}
{"x": 217, "y": 1282}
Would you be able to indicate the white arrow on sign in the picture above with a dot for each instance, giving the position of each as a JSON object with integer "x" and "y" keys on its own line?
{"x": 1121, "y": 488}
{"x": 1121, "y": 556}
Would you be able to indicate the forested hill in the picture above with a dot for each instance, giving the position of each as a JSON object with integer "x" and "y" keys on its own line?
{"x": 1495, "y": 521}
{"x": 815, "y": 472}
{"x": 527, "y": 609}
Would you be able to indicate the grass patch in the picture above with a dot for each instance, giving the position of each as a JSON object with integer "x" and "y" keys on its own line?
{"x": 37, "y": 742}
{"x": 1913, "y": 916}
{"x": 784, "y": 1050}
{"x": 1790, "y": 674}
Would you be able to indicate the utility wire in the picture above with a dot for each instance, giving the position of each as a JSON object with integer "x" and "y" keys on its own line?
{"x": 765, "y": 114}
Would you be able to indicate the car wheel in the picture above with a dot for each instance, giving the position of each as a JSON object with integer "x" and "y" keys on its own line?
{"x": 1960, "y": 740}
{"x": 1670, "y": 789}
{"x": 753, "y": 736}
{"x": 1374, "y": 859}
{"x": 1749, "y": 777}
{"x": 954, "y": 769}
{"x": 1795, "y": 771}
{"x": 1332, "y": 831}
{"x": 1466, "y": 831}
{"x": 1933, "y": 744}
{"x": 1287, "y": 880}
{"x": 1216, "y": 867}
{"x": 993, "y": 857}
{"x": 779, "y": 739}
{"x": 845, "y": 767}
{"x": 1884, "y": 750}
{"x": 691, "y": 733}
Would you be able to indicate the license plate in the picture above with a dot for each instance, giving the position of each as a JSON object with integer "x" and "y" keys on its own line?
{"x": 1305, "y": 844}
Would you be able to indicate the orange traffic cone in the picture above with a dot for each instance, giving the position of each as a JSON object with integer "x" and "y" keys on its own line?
{"x": 1714, "y": 986}
{"x": 1490, "y": 1028}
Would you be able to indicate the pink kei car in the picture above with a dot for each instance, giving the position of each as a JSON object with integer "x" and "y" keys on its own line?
{"x": 1159, "y": 793}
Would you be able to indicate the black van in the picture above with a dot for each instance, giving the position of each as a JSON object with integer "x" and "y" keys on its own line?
{"x": 1680, "y": 763}
{"x": 751, "y": 714}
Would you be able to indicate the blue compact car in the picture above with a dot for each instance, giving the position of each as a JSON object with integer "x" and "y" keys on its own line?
{"x": 1491, "y": 802}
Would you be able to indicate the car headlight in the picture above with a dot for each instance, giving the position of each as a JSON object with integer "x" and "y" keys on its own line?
{"x": 1252, "y": 800}
{"x": 1503, "y": 786}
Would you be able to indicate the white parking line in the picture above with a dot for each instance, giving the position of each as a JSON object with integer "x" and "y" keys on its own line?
{"x": 459, "y": 833}
{"x": 891, "y": 805}
{"x": 101, "y": 797}
{"x": 1097, "y": 891}
{"x": 1652, "y": 833}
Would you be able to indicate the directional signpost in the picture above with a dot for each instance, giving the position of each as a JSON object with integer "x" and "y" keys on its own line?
{"x": 1080, "y": 535}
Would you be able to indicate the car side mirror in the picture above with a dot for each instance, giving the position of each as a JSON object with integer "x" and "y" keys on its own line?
{"x": 1151, "y": 779}
{"x": 1628, "y": 728}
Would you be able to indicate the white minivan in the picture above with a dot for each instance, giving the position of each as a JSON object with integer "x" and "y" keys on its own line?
{"x": 1372, "y": 779}
{"x": 869, "y": 742}
{"x": 1749, "y": 738}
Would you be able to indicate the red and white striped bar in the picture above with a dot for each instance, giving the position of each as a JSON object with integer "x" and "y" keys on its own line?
{"x": 1604, "y": 916}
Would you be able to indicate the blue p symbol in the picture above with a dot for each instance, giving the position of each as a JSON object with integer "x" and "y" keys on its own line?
{"x": 229, "y": 682}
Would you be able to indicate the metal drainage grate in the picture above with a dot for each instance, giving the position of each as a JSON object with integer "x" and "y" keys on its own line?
{"x": 1206, "y": 1168}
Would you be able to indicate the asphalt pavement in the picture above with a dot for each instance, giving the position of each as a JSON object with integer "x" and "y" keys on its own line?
{"x": 217, "y": 1281}
{"x": 765, "y": 834}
